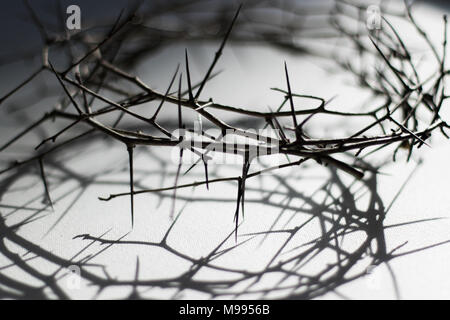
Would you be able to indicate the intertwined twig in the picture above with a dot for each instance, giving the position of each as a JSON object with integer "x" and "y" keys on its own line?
{"x": 407, "y": 116}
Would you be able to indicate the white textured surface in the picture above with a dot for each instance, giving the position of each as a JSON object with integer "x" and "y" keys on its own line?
{"x": 249, "y": 73}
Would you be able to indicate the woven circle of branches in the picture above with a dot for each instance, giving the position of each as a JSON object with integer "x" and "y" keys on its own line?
{"x": 90, "y": 67}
